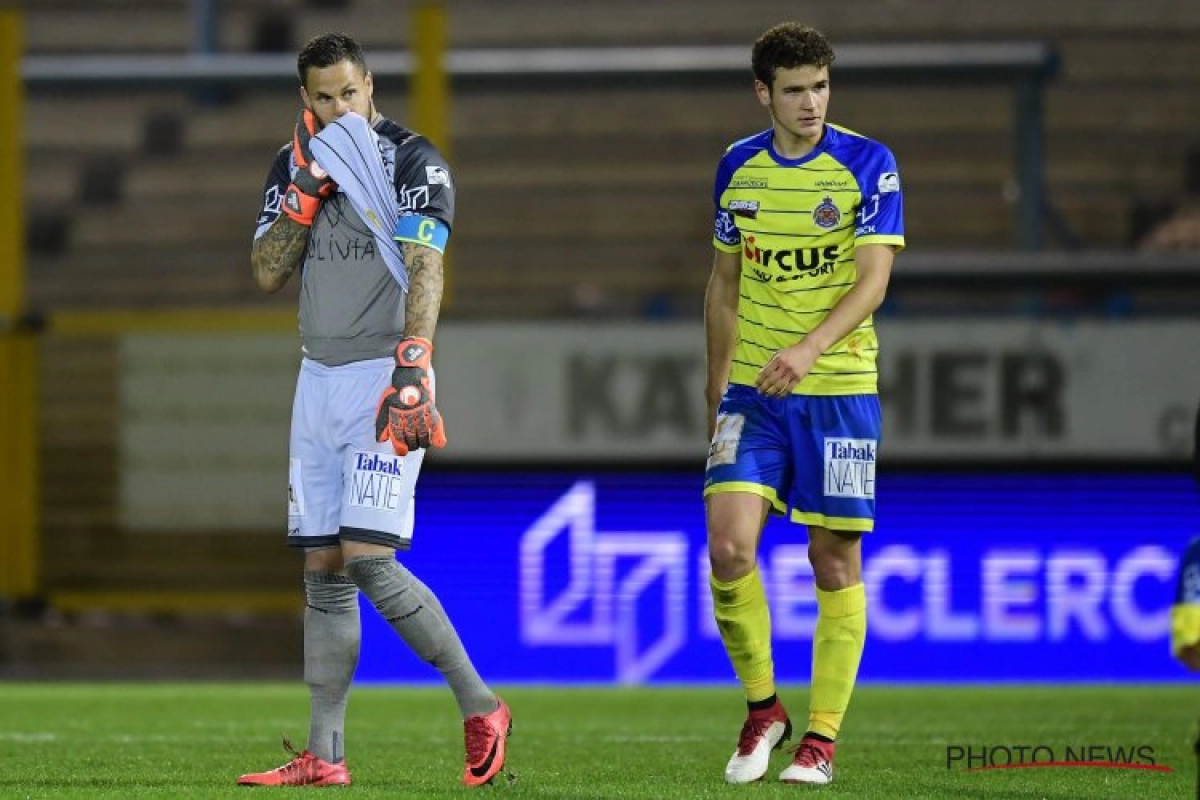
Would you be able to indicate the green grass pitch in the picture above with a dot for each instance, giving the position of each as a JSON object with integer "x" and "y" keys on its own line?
{"x": 190, "y": 740}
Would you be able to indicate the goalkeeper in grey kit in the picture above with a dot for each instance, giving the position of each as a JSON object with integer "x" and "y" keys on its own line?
{"x": 365, "y": 221}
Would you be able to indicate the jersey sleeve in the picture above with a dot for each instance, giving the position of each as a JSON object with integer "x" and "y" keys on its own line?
{"x": 881, "y": 213}
{"x": 424, "y": 183}
{"x": 726, "y": 236}
{"x": 276, "y": 184}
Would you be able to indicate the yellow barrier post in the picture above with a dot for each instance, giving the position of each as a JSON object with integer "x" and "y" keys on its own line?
{"x": 18, "y": 349}
{"x": 429, "y": 92}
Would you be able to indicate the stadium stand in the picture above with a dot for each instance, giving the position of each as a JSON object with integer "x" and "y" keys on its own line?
{"x": 582, "y": 175}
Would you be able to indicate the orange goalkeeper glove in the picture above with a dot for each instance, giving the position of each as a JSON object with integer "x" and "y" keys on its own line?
{"x": 406, "y": 412}
{"x": 311, "y": 184}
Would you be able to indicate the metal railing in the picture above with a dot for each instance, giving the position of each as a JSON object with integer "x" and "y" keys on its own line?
{"x": 1024, "y": 65}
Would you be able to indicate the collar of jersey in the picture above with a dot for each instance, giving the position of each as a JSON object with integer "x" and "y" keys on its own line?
{"x": 821, "y": 147}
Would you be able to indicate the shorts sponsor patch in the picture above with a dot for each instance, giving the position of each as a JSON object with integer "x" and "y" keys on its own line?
{"x": 376, "y": 481}
{"x": 850, "y": 468}
{"x": 295, "y": 489}
{"x": 724, "y": 447}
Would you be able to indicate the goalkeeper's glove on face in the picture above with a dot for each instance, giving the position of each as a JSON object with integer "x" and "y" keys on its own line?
{"x": 311, "y": 184}
{"x": 406, "y": 415}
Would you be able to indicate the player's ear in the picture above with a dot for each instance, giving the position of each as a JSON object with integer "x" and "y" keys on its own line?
{"x": 764, "y": 93}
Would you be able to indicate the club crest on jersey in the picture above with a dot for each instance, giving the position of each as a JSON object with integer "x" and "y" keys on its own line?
{"x": 826, "y": 215}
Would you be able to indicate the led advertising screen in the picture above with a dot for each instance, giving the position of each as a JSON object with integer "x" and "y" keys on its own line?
{"x": 602, "y": 578}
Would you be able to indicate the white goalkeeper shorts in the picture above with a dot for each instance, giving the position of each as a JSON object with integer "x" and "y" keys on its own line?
{"x": 342, "y": 484}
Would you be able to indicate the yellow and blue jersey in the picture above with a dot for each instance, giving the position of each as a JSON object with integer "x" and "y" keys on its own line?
{"x": 797, "y": 223}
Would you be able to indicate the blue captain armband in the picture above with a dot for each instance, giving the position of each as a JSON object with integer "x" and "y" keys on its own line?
{"x": 423, "y": 230}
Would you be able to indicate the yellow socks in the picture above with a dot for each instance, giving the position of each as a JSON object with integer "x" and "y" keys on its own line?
{"x": 837, "y": 649}
{"x": 744, "y": 620}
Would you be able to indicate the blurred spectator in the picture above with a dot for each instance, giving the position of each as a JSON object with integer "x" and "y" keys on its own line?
{"x": 1181, "y": 228}
{"x": 1180, "y": 231}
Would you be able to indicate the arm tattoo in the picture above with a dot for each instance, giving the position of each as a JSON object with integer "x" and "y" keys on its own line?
{"x": 278, "y": 252}
{"x": 425, "y": 282}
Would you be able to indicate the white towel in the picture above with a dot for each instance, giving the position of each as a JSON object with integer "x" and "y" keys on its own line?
{"x": 348, "y": 149}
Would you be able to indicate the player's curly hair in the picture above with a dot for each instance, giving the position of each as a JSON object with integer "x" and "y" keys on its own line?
{"x": 328, "y": 49}
{"x": 786, "y": 46}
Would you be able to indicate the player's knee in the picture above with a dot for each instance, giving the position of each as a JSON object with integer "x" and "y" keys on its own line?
{"x": 836, "y": 564}
{"x": 323, "y": 559}
{"x": 730, "y": 559}
{"x": 330, "y": 593}
{"x": 831, "y": 574}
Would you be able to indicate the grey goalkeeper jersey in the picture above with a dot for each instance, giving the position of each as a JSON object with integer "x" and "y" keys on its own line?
{"x": 351, "y": 308}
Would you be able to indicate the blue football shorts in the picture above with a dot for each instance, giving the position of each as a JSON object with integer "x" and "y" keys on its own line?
{"x": 342, "y": 484}
{"x": 812, "y": 457}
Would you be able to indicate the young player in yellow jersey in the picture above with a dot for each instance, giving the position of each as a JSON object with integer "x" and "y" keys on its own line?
{"x": 808, "y": 220}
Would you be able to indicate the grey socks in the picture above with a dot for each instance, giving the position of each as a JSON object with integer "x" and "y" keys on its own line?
{"x": 415, "y": 613}
{"x": 331, "y": 641}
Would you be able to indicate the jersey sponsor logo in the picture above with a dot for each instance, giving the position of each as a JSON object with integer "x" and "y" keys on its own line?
{"x": 377, "y": 481}
{"x": 797, "y": 263}
{"x": 336, "y": 249}
{"x": 826, "y": 215}
{"x": 437, "y": 175}
{"x": 832, "y": 183}
{"x": 889, "y": 182}
{"x": 850, "y": 468}
{"x": 745, "y": 208}
{"x": 748, "y": 183}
